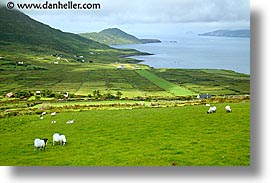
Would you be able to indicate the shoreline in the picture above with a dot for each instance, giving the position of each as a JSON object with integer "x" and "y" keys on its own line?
{"x": 141, "y": 62}
{"x": 182, "y": 55}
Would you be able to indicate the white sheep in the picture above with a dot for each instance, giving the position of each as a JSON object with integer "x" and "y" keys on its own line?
{"x": 228, "y": 108}
{"x": 40, "y": 143}
{"x": 53, "y": 122}
{"x": 212, "y": 110}
{"x": 53, "y": 113}
{"x": 70, "y": 121}
{"x": 61, "y": 139}
{"x": 42, "y": 115}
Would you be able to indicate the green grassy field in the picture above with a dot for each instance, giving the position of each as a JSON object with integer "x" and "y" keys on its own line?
{"x": 164, "y": 84}
{"x": 213, "y": 81}
{"x": 39, "y": 73}
{"x": 182, "y": 136}
{"x": 126, "y": 113}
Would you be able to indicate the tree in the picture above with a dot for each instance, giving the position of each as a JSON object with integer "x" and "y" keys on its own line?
{"x": 97, "y": 94}
{"x": 47, "y": 93}
{"x": 23, "y": 94}
{"x": 108, "y": 96}
{"x": 118, "y": 94}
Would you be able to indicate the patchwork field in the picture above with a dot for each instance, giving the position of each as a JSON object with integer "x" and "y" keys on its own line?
{"x": 146, "y": 124}
{"x": 125, "y": 113}
{"x": 164, "y": 84}
{"x": 134, "y": 80}
{"x": 213, "y": 81}
{"x": 177, "y": 136}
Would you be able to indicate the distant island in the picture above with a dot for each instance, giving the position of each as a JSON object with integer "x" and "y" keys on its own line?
{"x": 244, "y": 33}
{"x": 114, "y": 36}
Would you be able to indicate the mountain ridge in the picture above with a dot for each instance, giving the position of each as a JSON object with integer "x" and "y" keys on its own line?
{"x": 21, "y": 29}
{"x": 114, "y": 36}
{"x": 242, "y": 33}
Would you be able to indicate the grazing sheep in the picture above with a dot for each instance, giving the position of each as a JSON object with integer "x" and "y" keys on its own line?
{"x": 228, "y": 109}
{"x": 42, "y": 115}
{"x": 70, "y": 121}
{"x": 212, "y": 110}
{"x": 61, "y": 139}
{"x": 53, "y": 113}
{"x": 53, "y": 122}
{"x": 40, "y": 143}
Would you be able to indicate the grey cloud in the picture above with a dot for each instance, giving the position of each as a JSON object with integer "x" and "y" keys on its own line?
{"x": 126, "y": 13}
{"x": 155, "y": 11}
{"x": 178, "y": 11}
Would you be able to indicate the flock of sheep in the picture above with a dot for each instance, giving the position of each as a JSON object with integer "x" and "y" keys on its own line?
{"x": 44, "y": 113}
{"x": 42, "y": 143}
{"x": 57, "y": 138}
{"x": 214, "y": 108}
{"x": 61, "y": 139}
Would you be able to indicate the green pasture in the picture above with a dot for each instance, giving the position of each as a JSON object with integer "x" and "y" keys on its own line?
{"x": 90, "y": 103}
{"x": 213, "y": 81}
{"x": 176, "y": 136}
{"x": 126, "y": 113}
{"x": 164, "y": 84}
{"x": 134, "y": 80}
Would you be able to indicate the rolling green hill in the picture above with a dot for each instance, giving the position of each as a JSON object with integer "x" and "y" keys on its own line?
{"x": 174, "y": 136}
{"x": 116, "y": 36}
{"x": 22, "y": 38}
{"x": 29, "y": 62}
{"x": 126, "y": 114}
{"x": 18, "y": 28}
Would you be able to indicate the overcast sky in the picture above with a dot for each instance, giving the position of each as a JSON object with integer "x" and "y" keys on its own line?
{"x": 147, "y": 17}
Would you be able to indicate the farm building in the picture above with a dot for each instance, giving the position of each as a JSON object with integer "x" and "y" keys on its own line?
{"x": 120, "y": 67}
{"x": 10, "y": 95}
{"x": 20, "y": 63}
{"x": 79, "y": 56}
{"x": 38, "y": 92}
{"x": 204, "y": 96}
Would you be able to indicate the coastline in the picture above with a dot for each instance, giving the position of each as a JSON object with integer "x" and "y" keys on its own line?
{"x": 184, "y": 55}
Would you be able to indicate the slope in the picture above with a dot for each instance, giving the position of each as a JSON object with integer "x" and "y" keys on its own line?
{"x": 116, "y": 36}
{"x": 18, "y": 28}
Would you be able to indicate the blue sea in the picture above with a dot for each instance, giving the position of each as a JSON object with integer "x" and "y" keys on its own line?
{"x": 196, "y": 52}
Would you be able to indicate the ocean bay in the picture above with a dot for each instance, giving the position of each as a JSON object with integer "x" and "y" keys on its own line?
{"x": 196, "y": 52}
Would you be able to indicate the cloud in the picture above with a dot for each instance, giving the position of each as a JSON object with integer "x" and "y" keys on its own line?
{"x": 142, "y": 12}
{"x": 155, "y": 11}
{"x": 173, "y": 11}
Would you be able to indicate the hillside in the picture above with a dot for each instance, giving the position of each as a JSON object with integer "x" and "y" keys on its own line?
{"x": 30, "y": 61}
{"x": 18, "y": 28}
{"x": 22, "y": 38}
{"x": 116, "y": 36}
{"x": 228, "y": 33}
